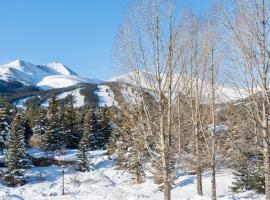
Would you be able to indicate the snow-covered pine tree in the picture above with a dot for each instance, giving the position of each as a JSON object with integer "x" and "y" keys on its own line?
{"x": 96, "y": 135}
{"x": 135, "y": 157}
{"x": 106, "y": 127}
{"x": 83, "y": 162}
{"x": 27, "y": 131}
{"x": 16, "y": 160}
{"x": 39, "y": 128}
{"x": 69, "y": 127}
{"x": 5, "y": 121}
{"x": 52, "y": 139}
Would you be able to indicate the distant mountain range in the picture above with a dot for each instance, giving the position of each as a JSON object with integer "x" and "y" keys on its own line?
{"x": 22, "y": 82}
{"x": 52, "y": 75}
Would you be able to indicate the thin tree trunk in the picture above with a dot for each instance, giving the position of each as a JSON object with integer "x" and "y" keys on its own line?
{"x": 266, "y": 164}
{"x": 198, "y": 168}
{"x": 213, "y": 180}
{"x": 199, "y": 180}
{"x": 213, "y": 162}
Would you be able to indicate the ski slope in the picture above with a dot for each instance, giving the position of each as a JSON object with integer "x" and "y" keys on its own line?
{"x": 79, "y": 99}
{"x": 105, "y": 96}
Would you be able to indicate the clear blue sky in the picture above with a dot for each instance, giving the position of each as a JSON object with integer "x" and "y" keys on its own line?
{"x": 78, "y": 33}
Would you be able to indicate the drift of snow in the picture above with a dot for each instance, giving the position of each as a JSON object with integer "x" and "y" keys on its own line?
{"x": 105, "y": 96}
{"x": 107, "y": 182}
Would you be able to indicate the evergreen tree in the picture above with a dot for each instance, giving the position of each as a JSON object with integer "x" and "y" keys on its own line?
{"x": 83, "y": 163}
{"x": 96, "y": 135}
{"x": 27, "y": 131}
{"x": 106, "y": 127}
{"x": 248, "y": 175}
{"x": 39, "y": 128}
{"x": 16, "y": 159}
{"x": 69, "y": 127}
{"x": 52, "y": 138}
{"x": 5, "y": 121}
{"x": 40, "y": 122}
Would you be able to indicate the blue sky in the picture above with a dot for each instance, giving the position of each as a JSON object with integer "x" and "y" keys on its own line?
{"x": 78, "y": 33}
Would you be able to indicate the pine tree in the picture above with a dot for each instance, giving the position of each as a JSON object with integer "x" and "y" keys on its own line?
{"x": 83, "y": 163}
{"x": 248, "y": 175}
{"x": 27, "y": 131}
{"x": 16, "y": 159}
{"x": 106, "y": 127}
{"x": 5, "y": 121}
{"x": 52, "y": 138}
{"x": 69, "y": 127}
{"x": 39, "y": 128}
{"x": 96, "y": 135}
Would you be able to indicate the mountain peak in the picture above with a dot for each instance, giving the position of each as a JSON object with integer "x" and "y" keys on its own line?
{"x": 17, "y": 63}
{"x": 61, "y": 68}
{"x": 52, "y": 75}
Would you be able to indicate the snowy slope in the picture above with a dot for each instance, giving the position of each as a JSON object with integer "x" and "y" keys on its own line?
{"x": 148, "y": 81}
{"x": 105, "y": 96}
{"x": 52, "y": 75}
{"x": 106, "y": 182}
{"x": 21, "y": 102}
{"x": 79, "y": 99}
{"x": 61, "y": 81}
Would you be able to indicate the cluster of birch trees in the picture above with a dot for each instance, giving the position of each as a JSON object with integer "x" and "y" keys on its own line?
{"x": 183, "y": 59}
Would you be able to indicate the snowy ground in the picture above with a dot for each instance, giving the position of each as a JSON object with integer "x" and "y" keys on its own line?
{"x": 108, "y": 183}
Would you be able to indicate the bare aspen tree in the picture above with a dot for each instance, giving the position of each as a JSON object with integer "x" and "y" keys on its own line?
{"x": 148, "y": 48}
{"x": 215, "y": 57}
{"x": 194, "y": 88}
{"x": 250, "y": 30}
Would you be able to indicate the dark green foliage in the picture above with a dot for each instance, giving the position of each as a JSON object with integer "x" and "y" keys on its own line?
{"x": 27, "y": 131}
{"x": 40, "y": 122}
{"x": 106, "y": 127}
{"x": 5, "y": 121}
{"x": 83, "y": 163}
{"x": 52, "y": 139}
{"x": 16, "y": 160}
{"x": 96, "y": 134}
{"x": 248, "y": 174}
{"x": 69, "y": 127}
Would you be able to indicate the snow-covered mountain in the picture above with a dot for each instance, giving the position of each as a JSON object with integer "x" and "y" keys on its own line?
{"x": 147, "y": 80}
{"x": 52, "y": 75}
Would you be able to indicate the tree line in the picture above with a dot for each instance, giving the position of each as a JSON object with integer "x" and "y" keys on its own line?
{"x": 52, "y": 130}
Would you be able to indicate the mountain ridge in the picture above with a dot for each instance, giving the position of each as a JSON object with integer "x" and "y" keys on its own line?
{"x": 47, "y": 76}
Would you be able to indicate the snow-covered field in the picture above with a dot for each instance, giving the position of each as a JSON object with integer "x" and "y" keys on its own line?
{"x": 108, "y": 183}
